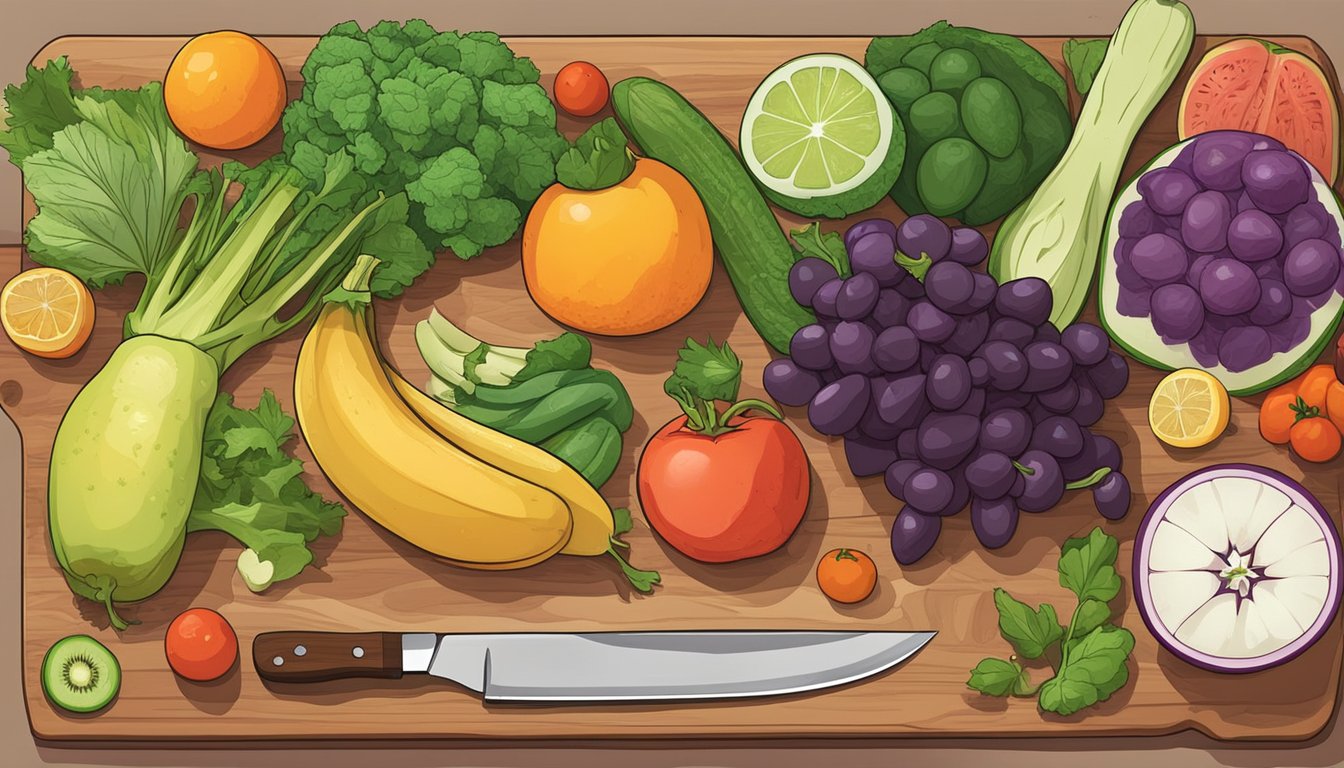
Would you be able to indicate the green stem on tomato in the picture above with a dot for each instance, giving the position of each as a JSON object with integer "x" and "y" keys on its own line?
{"x": 703, "y": 416}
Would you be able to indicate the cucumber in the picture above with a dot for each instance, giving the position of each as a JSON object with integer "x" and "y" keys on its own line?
{"x": 753, "y": 248}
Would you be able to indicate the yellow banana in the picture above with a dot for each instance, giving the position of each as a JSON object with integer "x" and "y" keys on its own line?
{"x": 593, "y": 524}
{"x": 396, "y": 469}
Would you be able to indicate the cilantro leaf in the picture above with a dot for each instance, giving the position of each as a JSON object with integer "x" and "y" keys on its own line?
{"x": 1087, "y": 566}
{"x": 706, "y": 372}
{"x": 252, "y": 490}
{"x": 827, "y": 246}
{"x": 996, "y": 677}
{"x": 1083, "y": 59}
{"x": 600, "y": 158}
{"x": 1090, "y": 614}
{"x": 566, "y": 352}
{"x": 1090, "y": 673}
{"x": 38, "y": 108}
{"x": 1030, "y": 631}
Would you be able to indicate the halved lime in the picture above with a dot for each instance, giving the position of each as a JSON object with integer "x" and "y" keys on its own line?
{"x": 820, "y": 137}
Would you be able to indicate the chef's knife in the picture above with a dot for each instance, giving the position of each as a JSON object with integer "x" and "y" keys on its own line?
{"x": 593, "y": 667}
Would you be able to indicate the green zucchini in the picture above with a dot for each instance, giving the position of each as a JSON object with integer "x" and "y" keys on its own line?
{"x": 750, "y": 242}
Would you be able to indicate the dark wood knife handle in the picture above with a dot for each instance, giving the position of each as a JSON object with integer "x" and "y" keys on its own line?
{"x": 311, "y": 657}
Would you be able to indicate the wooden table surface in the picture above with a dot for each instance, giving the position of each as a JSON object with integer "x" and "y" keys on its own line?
{"x": 368, "y": 580}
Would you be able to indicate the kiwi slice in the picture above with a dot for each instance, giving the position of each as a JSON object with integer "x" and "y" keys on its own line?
{"x": 79, "y": 674}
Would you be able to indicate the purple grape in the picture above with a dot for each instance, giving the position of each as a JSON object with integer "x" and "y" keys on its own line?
{"x": 1312, "y": 266}
{"x": 913, "y": 535}
{"x": 1110, "y": 376}
{"x": 1007, "y": 431}
{"x": 837, "y": 408}
{"x": 900, "y": 400}
{"x": 1090, "y": 407}
{"x": 875, "y": 254}
{"x": 1047, "y": 332}
{"x": 968, "y": 247}
{"x": 1048, "y": 366}
{"x": 994, "y": 521}
{"x": 1276, "y": 180}
{"x": 1243, "y": 203}
{"x": 1019, "y": 486}
{"x": 974, "y": 405}
{"x": 1112, "y": 496}
{"x": 1218, "y": 157}
{"x": 789, "y": 384}
{"x": 927, "y": 352}
{"x": 1013, "y": 331}
{"x": 1270, "y": 269}
{"x": 1229, "y": 287}
{"x": 1108, "y": 453}
{"x": 970, "y": 333}
{"x": 1204, "y": 224}
{"x": 891, "y": 308}
{"x": 1305, "y": 222}
{"x": 810, "y": 348}
{"x": 872, "y": 425}
{"x": 1275, "y": 305}
{"x": 1061, "y": 399}
{"x": 1087, "y": 344}
{"x": 858, "y": 296}
{"x": 867, "y": 227}
{"x": 806, "y": 276}
{"x": 1253, "y": 235}
{"x": 1197, "y": 267}
{"x": 928, "y": 490}
{"x": 898, "y": 472}
{"x": 896, "y": 349}
{"x": 1167, "y": 190}
{"x": 948, "y": 383}
{"x": 949, "y": 286}
{"x": 982, "y": 295}
{"x": 1085, "y": 463}
{"x": 907, "y": 444}
{"x": 979, "y": 370}
{"x": 1007, "y": 366}
{"x": 824, "y": 300}
{"x": 924, "y": 235}
{"x": 1177, "y": 312}
{"x": 998, "y": 400}
{"x": 930, "y": 323}
{"x": 1028, "y": 299}
{"x": 947, "y": 438}
{"x": 852, "y": 347}
{"x": 1135, "y": 303}
{"x": 1044, "y": 485}
{"x": 990, "y": 475}
{"x": 1058, "y": 436}
{"x": 911, "y": 289}
{"x": 1245, "y": 347}
{"x": 1137, "y": 220}
{"x": 961, "y": 493}
{"x": 867, "y": 457}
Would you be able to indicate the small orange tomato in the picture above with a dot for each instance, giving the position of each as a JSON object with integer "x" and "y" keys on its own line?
{"x": 200, "y": 645}
{"x": 1277, "y": 415}
{"x": 1334, "y": 404}
{"x": 846, "y": 575}
{"x": 1312, "y": 385}
{"x": 1315, "y": 439}
{"x": 581, "y": 89}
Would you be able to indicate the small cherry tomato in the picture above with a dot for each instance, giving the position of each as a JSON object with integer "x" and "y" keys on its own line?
{"x": 846, "y": 575}
{"x": 200, "y": 645}
{"x": 1314, "y": 438}
{"x": 1313, "y": 385}
{"x": 1277, "y": 415}
{"x": 581, "y": 89}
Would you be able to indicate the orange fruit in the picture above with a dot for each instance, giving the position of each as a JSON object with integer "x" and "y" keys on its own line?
{"x": 846, "y": 575}
{"x": 623, "y": 260}
{"x": 224, "y": 90}
{"x": 47, "y": 312}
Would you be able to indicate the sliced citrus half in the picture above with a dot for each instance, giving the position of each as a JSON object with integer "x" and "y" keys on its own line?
{"x": 1189, "y": 409}
{"x": 820, "y": 137}
{"x": 47, "y": 312}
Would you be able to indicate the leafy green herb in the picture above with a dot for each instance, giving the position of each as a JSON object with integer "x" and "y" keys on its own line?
{"x": 600, "y": 158}
{"x": 1091, "y": 652}
{"x": 827, "y": 246}
{"x": 566, "y": 352}
{"x": 251, "y": 489}
{"x": 703, "y": 375}
{"x": 1083, "y": 58}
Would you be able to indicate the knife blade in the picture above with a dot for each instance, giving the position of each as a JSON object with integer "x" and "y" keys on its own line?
{"x": 595, "y": 666}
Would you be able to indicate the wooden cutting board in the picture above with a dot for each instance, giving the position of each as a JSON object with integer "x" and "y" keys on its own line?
{"x": 368, "y": 580}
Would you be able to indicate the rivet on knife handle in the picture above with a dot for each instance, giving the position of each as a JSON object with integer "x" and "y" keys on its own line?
{"x": 310, "y": 657}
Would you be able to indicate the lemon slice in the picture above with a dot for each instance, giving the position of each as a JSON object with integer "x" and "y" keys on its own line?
{"x": 821, "y": 138}
{"x": 47, "y": 312}
{"x": 1189, "y": 409}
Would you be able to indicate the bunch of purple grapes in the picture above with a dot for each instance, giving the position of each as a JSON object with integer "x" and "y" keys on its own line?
{"x": 958, "y": 389}
{"x": 1229, "y": 250}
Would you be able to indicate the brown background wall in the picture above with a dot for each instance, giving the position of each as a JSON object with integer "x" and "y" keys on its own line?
{"x": 26, "y": 26}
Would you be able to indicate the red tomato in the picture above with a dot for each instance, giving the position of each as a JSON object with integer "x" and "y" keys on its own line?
{"x": 719, "y": 499}
{"x": 581, "y": 89}
{"x": 200, "y": 645}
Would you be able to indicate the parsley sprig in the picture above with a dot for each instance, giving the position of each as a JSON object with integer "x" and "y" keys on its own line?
{"x": 704, "y": 375}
